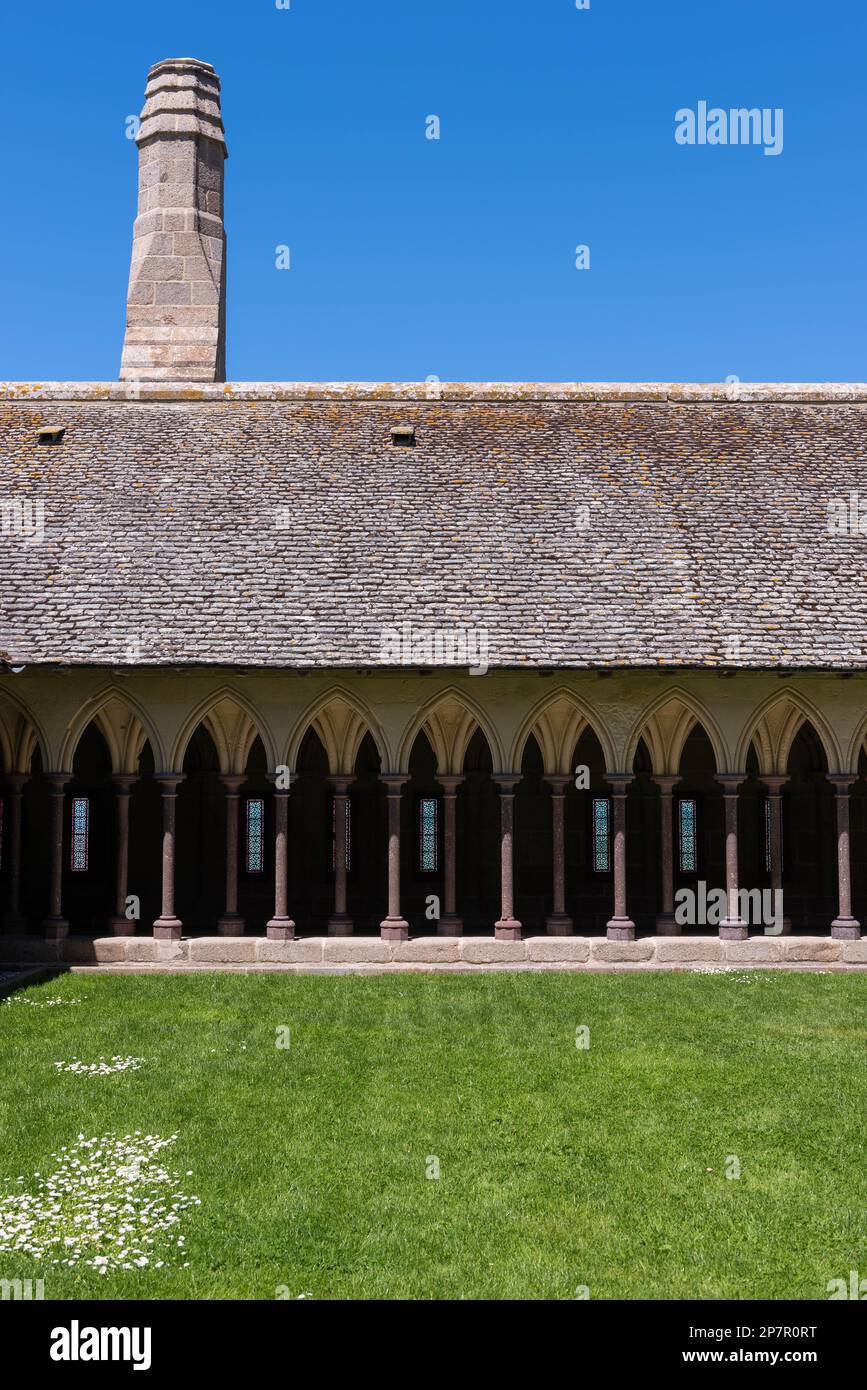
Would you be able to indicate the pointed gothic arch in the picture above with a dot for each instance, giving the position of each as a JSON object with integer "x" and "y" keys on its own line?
{"x": 774, "y": 726}
{"x": 20, "y": 735}
{"x": 233, "y": 724}
{"x": 340, "y": 721}
{"x": 666, "y": 724}
{"x": 123, "y": 724}
{"x": 449, "y": 720}
{"x": 557, "y": 723}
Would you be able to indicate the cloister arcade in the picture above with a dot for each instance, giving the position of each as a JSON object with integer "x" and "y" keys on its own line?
{"x": 195, "y": 802}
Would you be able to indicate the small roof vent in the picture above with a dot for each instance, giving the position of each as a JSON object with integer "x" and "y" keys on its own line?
{"x": 403, "y": 436}
{"x": 50, "y": 434}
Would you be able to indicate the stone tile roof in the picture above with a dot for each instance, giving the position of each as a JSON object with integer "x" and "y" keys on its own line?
{"x": 575, "y": 525}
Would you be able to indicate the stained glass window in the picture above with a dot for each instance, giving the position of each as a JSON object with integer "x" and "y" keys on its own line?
{"x": 687, "y": 842}
{"x": 428, "y": 837}
{"x": 601, "y": 834}
{"x": 348, "y": 827}
{"x": 80, "y": 834}
{"x": 255, "y": 833}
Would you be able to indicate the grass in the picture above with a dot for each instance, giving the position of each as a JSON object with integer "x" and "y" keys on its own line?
{"x": 559, "y": 1167}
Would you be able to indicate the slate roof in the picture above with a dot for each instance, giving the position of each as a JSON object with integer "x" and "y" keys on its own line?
{"x": 577, "y": 526}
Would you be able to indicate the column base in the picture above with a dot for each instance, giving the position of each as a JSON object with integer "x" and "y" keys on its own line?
{"x": 667, "y": 926}
{"x": 230, "y": 925}
{"x": 340, "y": 925}
{"x": 168, "y": 928}
{"x": 846, "y": 928}
{"x": 394, "y": 929}
{"x": 559, "y": 924}
{"x": 122, "y": 926}
{"x": 55, "y": 928}
{"x": 280, "y": 929}
{"x": 507, "y": 929}
{"x": 450, "y": 925}
{"x": 620, "y": 929}
{"x": 785, "y": 929}
{"x": 733, "y": 929}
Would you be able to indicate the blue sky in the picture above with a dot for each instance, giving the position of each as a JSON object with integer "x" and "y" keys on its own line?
{"x": 456, "y": 258}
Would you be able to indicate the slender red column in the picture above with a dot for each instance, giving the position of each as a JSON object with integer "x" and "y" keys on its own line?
{"x": 13, "y": 918}
{"x": 394, "y": 927}
{"x": 844, "y": 924}
{"x": 732, "y": 927}
{"x": 340, "y": 923}
{"x": 774, "y": 785}
{"x": 120, "y": 924}
{"x": 450, "y": 924}
{"x": 167, "y": 924}
{"x": 507, "y": 927}
{"x": 281, "y": 926}
{"x": 231, "y": 923}
{"x": 665, "y": 923}
{"x": 559, "y": 923}
{"x": 620, "y": 927}
{"x": 55, "y": 924}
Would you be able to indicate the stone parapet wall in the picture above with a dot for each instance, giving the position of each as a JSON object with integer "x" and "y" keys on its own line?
{"x": 468, "y": 953}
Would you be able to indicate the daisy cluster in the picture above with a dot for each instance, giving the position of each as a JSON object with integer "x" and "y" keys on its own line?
{"x": 109, "y": 1204}
{"x": 38, "y": 1003}
{"x": 104, "y": 1067}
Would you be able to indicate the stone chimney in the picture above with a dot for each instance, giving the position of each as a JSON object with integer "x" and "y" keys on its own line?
{"x": 176, "y": 305}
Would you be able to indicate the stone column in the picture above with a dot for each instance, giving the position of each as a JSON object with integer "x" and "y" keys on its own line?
{"x": 450, "y": 924}
{"x": 665, "y": 923}
{"x": 732, "y": 927}
{"x": 281, "y": 927}
{"x": 231, "y": 923}
{"x": 559, "y": 923}
{"x": 844, "y": 924}
{"x": 14, "y": 920}
{"x": 340, "y": 924}
{"x": 120, "y": 924}
{"x": 775, "y": 804}
{"x": 55, "y": 924}
{"x": 507, "y": 928}
{"x": 167, "y": 924}
{"x": 394, "y": 927}
{"x": 620, "y": 927}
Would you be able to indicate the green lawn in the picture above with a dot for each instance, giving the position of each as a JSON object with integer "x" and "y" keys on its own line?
{"x": 559, "y": 1166}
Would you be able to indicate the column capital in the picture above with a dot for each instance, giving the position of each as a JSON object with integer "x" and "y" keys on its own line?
{"x": 15, "y": 781}
{"x": 507, "y": 781}
{"x": 730, "y": 781}
{"x": 57, "y": 781}
{"x": 619, "y": 782}
{"x": 169, "y": 781}
{"x": 557, "y": 781}
{"x": 450, "y": 781}
{"x": 667, "y": 781}
{"x": 393, "y": 781}
{"x": 340, "y": 781}
{"x": 124, "y": 782}
{"x": 233, "y": 782}
{"x": 773, "y": 781}
{"x": 842, "y": 781}
{"x": 280, "y": 791}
